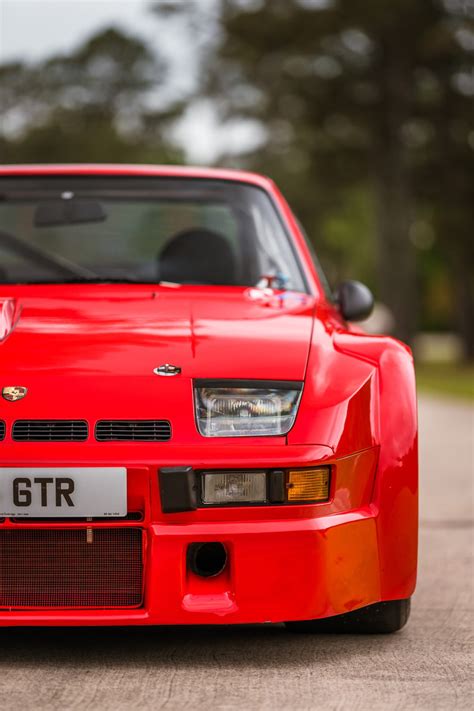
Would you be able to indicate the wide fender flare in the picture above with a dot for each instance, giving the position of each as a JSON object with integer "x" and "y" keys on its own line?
{"x": 395, "y": 495}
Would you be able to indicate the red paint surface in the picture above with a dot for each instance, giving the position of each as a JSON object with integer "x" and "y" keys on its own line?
{"x": 88, "y": 352}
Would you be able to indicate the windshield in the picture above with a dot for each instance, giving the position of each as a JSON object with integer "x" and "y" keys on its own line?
{"x": 145, "y": 230}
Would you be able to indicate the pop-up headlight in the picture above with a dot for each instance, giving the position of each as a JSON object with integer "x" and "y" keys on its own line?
{"x": 246, "y": 409}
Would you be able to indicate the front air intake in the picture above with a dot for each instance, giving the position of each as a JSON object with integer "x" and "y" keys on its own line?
{"x": 207, "y": 560}
{"x": 71, "y": 568}
{"x": 50, "y": 431}
{"x": 2, "y": 430}
{"x": 133, "y": 431}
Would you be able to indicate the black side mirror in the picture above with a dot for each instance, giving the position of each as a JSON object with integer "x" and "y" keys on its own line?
{"x": 355, "y": 300}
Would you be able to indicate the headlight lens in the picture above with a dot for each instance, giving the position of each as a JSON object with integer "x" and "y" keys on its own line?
{"x": 234, "y": 487}
{"x": 237, "y": 411}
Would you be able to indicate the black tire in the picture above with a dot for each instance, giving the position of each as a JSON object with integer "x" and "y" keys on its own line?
{"x": 381, "y": 618}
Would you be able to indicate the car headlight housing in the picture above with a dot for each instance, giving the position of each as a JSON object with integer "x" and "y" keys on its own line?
{"x": 246, "y": 409}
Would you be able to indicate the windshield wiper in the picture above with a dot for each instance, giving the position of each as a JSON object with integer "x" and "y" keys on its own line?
{"x": 41, "y": 256}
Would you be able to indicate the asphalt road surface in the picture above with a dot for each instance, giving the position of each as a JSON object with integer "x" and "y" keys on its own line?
{"x": 426, "y": 666}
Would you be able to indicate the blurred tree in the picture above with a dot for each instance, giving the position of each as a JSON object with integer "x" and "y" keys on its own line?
{"x": 354, "y": 95}
{"x": 94, "y": 104}
{"x": 445, "y": 179}
{"x": 367, "y": 115}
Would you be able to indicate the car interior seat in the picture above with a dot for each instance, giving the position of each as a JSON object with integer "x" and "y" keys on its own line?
{"x": 197, "y": 256}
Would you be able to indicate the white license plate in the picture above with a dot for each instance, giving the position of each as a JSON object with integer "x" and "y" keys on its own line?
{"x": 63, "y": 492}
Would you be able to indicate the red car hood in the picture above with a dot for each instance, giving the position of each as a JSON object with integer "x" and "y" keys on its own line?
{"x": 104, "y": 330}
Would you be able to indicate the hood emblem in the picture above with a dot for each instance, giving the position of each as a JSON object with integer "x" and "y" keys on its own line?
{"x": 167, "y": 370}
{"x": 14, "y": 392}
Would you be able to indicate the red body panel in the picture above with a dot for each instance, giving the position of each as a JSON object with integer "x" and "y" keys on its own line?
{"x": 88, "y": 352}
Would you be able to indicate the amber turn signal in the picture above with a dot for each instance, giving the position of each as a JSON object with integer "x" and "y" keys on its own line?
{"x": 308, "y": 484}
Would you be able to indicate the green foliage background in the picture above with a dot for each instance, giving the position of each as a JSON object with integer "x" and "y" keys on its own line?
{"x": 365, "y": 109}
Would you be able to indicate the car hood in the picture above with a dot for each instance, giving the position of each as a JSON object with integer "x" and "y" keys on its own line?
{"x": 105, "y": 330}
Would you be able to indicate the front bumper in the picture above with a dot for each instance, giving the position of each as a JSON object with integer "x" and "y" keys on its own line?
{"x": 284, "y": 562}
{"x": 278, "y": 570}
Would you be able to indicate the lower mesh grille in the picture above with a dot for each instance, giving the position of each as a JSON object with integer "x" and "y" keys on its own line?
{"x": 71, "y": 569}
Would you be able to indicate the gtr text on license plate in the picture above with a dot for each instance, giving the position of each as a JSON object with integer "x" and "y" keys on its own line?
{"x": 64, "y": 492}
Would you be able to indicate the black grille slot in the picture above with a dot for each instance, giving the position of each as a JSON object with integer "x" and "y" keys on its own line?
{"x": 132, "y": 516}
{"x": 50, "y": 431}
{"x": 2, "y": 430}
{"x": 133, "y": 431}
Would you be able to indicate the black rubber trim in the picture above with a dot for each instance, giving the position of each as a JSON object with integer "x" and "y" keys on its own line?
{"x": 379, "y": 618}
{"x": 249, "y": 384}
{"x": 178, "y": 489}
{"x": 276, "y": 481}
{"x": 133, "y": 516}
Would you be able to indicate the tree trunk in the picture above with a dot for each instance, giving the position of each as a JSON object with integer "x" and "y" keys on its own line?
{"x": 397, "y": 287}
{"x": 466, "y": 311}
{"x": 396, "y": 254}
{"x": 455, "y": 224}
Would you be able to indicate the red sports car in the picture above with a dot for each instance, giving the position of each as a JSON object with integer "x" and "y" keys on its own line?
{"x": 190, "y": 431}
